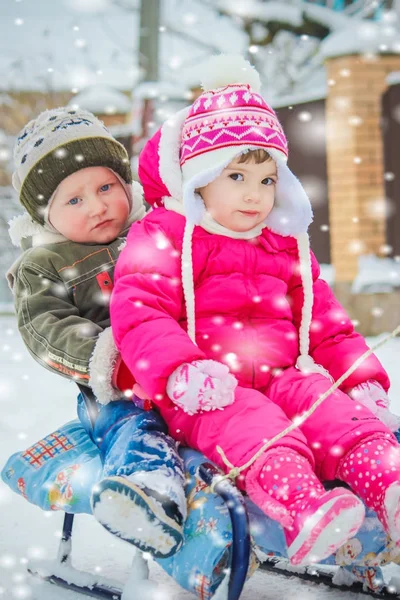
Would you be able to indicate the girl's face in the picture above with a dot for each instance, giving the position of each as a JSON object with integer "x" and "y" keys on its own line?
{"x": 90, "y": 206}
{"x": 242, "y": 196}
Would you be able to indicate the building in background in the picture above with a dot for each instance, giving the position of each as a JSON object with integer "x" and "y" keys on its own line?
{"x": 331, "y": 70}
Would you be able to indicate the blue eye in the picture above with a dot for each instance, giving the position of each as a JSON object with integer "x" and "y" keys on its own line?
{"x": 105, "y": 187}
{"x": 236, "y": 176}
{"x": 73, "y": 201}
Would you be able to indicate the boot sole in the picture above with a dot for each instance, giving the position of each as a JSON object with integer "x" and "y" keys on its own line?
{"x": 127, "y": 511}
{"x": 330, "y": 527}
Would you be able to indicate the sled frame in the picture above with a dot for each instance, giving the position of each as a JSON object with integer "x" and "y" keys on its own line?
{"x": 240, "y": 549}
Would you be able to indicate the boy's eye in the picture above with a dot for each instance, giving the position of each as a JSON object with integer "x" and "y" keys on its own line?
{"x": 105, "y": 187}
{"x": 268, "y": 181}
{"x": 73, "y": 201}
{"x": 236, "y": 176}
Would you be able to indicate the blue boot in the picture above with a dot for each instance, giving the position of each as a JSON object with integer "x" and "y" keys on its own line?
{"x": 141, "y": 497}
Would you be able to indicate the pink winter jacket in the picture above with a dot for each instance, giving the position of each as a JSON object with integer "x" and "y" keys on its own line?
{"x": 248, "y": 301}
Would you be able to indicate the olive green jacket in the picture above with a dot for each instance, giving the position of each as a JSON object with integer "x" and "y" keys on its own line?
{"x": 61, "y": 292}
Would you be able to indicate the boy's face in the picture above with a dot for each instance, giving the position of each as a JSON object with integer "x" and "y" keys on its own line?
{"x": 242, "y": 196}
{"x": 90, "y": 206}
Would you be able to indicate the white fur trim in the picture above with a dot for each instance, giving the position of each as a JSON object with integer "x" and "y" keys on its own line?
{"x": 168, "y": 150}
{"x": 213, "y": 160}
{"x": 226, "y": 69}
{"x": 22, "y": 226}
{"x": 292, "y": 213}
{"x": 174, "y": 205}
{"x": 101, "y": 368}
{"x": 193, "y": 204}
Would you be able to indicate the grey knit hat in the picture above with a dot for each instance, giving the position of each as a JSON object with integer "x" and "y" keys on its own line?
{"x": 56, "y": 144}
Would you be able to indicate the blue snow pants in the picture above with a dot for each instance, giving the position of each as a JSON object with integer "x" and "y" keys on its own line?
{"x": 129, "y": 438}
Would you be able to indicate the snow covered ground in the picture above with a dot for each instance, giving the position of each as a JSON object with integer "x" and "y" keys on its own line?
{"x": 33, "y": 402}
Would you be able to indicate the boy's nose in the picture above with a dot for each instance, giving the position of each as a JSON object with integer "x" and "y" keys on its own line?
{"x": 97, "y": 207}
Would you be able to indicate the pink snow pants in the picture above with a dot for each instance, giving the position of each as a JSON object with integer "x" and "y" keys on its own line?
{"x": 242, "y": 428}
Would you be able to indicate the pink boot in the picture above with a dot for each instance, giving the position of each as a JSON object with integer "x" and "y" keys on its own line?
{"x": 315, "y": 522}
{"x": 372, "y": 470}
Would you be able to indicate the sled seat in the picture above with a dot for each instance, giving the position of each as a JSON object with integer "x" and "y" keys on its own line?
{"x": 225, "y": 533}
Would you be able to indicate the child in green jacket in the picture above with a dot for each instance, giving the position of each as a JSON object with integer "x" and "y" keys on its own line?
{"x": 74, "y": 181}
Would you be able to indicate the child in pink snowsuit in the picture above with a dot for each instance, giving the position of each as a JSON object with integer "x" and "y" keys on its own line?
{"x": 219, "y": 312}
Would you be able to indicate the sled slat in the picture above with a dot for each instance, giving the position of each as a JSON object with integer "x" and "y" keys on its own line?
{"x": 318, "y": 575}
{"x": 97, "y": 591}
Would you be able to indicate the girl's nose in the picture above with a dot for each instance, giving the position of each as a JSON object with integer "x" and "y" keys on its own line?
{"x": 252, "y": 195}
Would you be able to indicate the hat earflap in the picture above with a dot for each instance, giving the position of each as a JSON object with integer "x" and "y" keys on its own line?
{"x": 168, "y": 152}
{"x": 193, "y": 204}
{"x": 292, "y": 212}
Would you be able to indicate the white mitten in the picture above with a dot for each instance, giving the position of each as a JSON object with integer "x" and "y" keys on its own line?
{"x": 372, "y": 395}
{"x": 201, "y": 385}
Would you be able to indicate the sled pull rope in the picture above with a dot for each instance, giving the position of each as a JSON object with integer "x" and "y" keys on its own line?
{"x": 235, "y": 471}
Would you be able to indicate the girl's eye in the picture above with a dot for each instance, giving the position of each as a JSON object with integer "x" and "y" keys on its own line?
{"x": 106, "y": 187}
{"x": 236, "y": 176}
{"x": 268, "y": 181}
{"x": 74, "y": 201}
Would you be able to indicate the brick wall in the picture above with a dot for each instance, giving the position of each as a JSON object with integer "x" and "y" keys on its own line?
{"x": 355, "y": 163}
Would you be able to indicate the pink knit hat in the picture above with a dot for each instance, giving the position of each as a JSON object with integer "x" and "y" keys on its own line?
{"x": 222, "y": 121}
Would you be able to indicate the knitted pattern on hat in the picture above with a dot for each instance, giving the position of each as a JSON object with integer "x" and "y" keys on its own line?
{"x": 230, "y": 116}
{"x": 56, "y": 144}
{"x": 227, "y": 117}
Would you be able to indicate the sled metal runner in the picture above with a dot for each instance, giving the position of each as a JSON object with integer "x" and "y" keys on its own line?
{"x": 239, "y": 557}
{"x": 320, "y": 575}
{"x": 100, "y": 591}
{"x": 97, "y": 591}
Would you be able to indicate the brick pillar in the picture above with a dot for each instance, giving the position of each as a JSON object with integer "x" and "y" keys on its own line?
{"x": 355, "y": 158}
